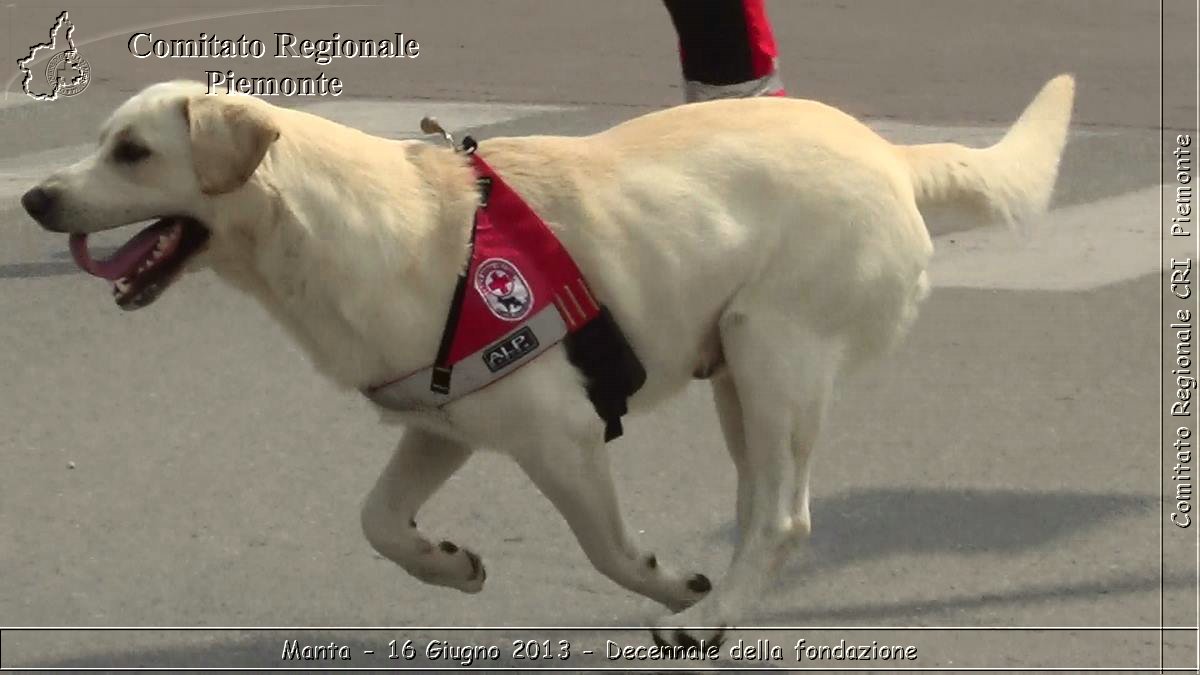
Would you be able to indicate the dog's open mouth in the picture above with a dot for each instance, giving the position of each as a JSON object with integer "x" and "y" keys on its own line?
{"x": 146, "y": 264}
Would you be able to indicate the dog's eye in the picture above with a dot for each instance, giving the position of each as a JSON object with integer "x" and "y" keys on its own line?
{"x": 128, "y": 152}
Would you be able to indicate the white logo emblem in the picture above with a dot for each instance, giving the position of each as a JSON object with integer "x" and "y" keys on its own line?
{"x": 67, "y": 73}
{"x": 503, "y": 289}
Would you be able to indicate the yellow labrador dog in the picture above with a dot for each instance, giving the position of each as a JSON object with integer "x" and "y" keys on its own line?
{"x": 772, "y": 244}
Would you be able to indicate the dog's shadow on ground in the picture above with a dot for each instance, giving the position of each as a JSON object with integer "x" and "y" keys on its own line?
{"x": 870, "y": 524}
{"x": 874, "y": 523}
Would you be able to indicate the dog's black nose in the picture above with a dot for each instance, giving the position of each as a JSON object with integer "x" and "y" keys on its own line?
{"x": 39, "y": 203}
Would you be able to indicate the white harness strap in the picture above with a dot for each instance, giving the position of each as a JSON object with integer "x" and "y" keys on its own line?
{"x": 540, "y": 332}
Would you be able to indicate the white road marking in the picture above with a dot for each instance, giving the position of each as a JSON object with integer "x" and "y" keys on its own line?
{"x": 974, "y": 136}
{"x": 1073, "y": 248}
{"x": 401, "y": 119}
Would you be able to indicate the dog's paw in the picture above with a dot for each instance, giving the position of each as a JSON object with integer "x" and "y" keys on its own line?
{"x": 679, "y": 591}
{"x": 465, "y": 571}
{"x": 693, "y": 628}
{"x": 695, "y": 587}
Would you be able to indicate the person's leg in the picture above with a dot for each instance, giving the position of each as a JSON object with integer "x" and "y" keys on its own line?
{"x": 726, "y": 48}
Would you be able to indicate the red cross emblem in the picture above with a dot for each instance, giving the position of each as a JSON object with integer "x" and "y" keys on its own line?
{"x": 504, "y": 289}
{"x": 499, "y": 283}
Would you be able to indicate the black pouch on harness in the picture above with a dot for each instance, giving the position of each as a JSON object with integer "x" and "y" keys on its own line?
{"x": 614, "y": 373}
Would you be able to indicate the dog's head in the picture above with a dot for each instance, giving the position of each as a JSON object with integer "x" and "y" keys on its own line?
{"x": 173, "y": 155}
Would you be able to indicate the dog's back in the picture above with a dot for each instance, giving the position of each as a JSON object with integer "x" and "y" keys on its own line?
{"x": 778, "y": 188}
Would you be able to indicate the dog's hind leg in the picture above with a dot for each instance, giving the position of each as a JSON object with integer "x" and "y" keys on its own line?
{"x": 809, "y": 418}
{"x": 576, "y": 479}
{"x": 729, "y": 412}
{"x": 781, "y": 375}
{"x": 420, "y": 465}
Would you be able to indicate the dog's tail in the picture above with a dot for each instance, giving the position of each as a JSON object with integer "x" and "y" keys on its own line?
{"x": 1012, "y": 180}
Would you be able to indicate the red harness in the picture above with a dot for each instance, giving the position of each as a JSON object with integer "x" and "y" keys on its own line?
{"x": 518, "y": 267}
{"x": 520, "y": 294}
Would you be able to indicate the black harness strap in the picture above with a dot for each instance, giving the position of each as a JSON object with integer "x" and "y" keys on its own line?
{"x": 599, "y": 349}
{"x": 439, "y": 381}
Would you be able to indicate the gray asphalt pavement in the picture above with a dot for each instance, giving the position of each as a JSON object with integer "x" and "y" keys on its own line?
{"x": 184, "y": 466}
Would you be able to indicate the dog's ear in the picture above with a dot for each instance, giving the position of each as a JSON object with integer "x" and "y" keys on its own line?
{"x": 229, "y": 139}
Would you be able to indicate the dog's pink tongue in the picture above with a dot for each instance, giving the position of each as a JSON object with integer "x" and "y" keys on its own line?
{"x": 120, "y": 264}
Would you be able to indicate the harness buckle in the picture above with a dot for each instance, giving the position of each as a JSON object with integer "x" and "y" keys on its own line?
{"x": 439, "y": 382}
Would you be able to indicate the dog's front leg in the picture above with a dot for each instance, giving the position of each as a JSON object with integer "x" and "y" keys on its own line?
{"x": 421, "y": 464}
{"x": 576, "y": 479}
